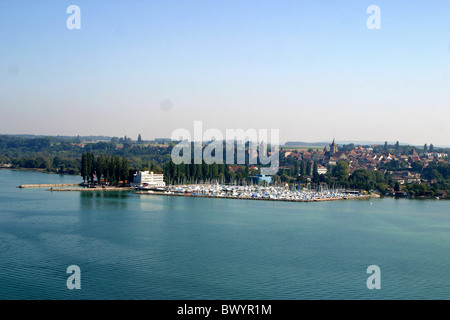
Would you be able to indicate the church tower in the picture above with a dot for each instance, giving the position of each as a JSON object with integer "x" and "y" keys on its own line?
{"x": 333, "y": 148}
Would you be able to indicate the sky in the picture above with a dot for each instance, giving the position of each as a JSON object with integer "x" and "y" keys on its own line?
{"x": 311, "y": 69}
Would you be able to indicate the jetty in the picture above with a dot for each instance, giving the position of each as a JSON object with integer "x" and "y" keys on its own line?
{"x": 23, "y": 186}
{"x": 98, "y": 189}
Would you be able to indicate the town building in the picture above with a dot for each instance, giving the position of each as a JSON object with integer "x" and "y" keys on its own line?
{"x": 321, "y": 169}
{"x": 333, "y": 148}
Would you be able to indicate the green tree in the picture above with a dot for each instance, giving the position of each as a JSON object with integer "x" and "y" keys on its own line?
{"x": 57, "y": 162}
{"x": 199, "y": 172}
{"x": 83, "y": 170}
{"x": 87, "y": 167}
{"x": 276, "y": 178}
{"x": 246, "y": 172}
{"x": 46, "y": 163}
{"x": 99, "y": 167}
{"x": 316, "y": 175}
{"x": 227, "y": 174}
{"x": 296, "y": 169}
{"x": 91, "y": 165}
{"x": 205, "y": 170}
{"x": 417, "y": 166}
{"x": 117, "y": 165}
{"x": 214, "y": 170}
{"x": 111, "y": 171}
{"x": 107, "y": 169}
{"x": 124, "y": 170}
{"x": 308, "y": 168}
{"x": 303, "y": 168}
{"x": 341, "y": 171}
{"x": 284, "y": 177}
{"x": 435, "y": 174}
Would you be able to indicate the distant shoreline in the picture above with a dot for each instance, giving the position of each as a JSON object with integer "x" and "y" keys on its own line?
{"x": 58, "y": 187}
{"x": 37, "y": 170}
{"x": 71, "y": 188}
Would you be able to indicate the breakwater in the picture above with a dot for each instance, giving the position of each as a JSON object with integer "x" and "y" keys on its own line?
{"x": 93, "y": 189}
{"x": 24, "y": 186}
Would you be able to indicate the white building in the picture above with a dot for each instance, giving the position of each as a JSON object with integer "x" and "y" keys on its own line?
{"x": 321, "y": 169}
{"x": 435, "y": 155}
{"x": 148, "y": 179}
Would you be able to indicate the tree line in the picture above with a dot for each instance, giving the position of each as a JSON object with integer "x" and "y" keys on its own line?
{"x": 108, "y": 169}
{"x": 63, "y": 154}
{"x": 203, "y": 173}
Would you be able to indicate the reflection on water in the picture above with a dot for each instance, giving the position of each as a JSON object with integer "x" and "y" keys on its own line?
{"x": 102, "y": 200}
{"x": 151, "y": 204}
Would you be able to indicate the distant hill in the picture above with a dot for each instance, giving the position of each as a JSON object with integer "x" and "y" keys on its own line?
{"x": 83, "y": 138}
{"x": 306, "y": 144}
{"x": 288, "y": 143}
{"x": 359, "y": 143}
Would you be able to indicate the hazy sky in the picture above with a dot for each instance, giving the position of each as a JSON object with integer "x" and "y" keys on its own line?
{"x": 311, "y": 69}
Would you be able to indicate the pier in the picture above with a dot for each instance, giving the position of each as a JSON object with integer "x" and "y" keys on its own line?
{"x": 23, "y": 186}
{"x": 92, "y": 189}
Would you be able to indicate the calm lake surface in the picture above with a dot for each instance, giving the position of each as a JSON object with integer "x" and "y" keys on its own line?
{"x": 131, "y": 246}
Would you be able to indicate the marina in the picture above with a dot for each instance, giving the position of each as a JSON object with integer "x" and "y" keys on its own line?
{"x": 271, "y": 193}
{"x": 246, "y": 192}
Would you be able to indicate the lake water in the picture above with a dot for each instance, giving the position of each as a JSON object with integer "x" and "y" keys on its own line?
{"x": 131, "y": 246}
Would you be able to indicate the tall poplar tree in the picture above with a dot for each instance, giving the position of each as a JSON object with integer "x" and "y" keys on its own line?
{"x": 316, "y": 176}
{"x": 83, "y": 170}
{"x": 99, "y": 167}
